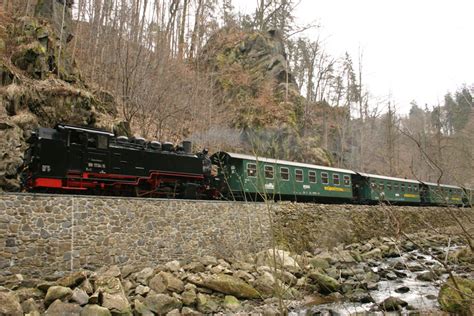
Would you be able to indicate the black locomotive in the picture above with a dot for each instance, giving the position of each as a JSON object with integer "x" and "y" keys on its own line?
{"x": 81, "y": 159}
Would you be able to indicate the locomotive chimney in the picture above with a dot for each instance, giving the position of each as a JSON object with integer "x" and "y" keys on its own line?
{"x": 187, "y": 146}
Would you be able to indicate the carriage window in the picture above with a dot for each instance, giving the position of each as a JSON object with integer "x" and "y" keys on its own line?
{"x": 347, "y": 180}
{"x": 373, "y": 185}
{"x": 409, "y": 188}
{"x": 251, "y": 170}
{"x": 324, "y": 177}
{"x": 395, "y": 187}
{"x": 402, "y": 187}
{"x": 389, "y": 186}
{"x": 299, "y": 175}
{"x": 102, "y": 142}
{"x": 335, "y": 179}
{"x": 312, "y": 176}
{"x": 284, "y": 174}
{"x": 381, "y": 186}
{"x": 415, "y": 188}
{"x": 269, "y": 172}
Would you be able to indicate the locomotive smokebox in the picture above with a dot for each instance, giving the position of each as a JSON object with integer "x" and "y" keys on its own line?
{"x": 187, "y": 146}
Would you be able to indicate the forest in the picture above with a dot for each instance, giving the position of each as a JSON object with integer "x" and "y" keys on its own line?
{"x": 252, "y": 82}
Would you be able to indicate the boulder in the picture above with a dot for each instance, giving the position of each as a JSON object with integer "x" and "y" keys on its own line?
{"x": 95, "y": 310}
{"x": 326, "y": 284}
{"x": 30, "y": 306}
{"x": 457, "y": 299}
{"x": 9, "y": 304}
{"x": 231, "y": 303}
{"x": 142, "y": 290}
{"x": 57, "y": 292}
{"x": 227, "y": 284}
{"x": 194, "y": 267}
{"x": 375, "y": 253}
{"x": 173, "y": 266}
{"x": 25, "y": 293}
{"x": 141, "y": 309}
{"x": 186, "y": 311}
{"x": 207, "y": 304}
{"x": 144, "y": 275}
{"x": 80, "y": 296}
{"x": 59, "y": 308}
{"x": 208, "y": 260}
{"x": 161, "y": 303}
{"x": 113, "y": 295}
{"x": 392, "y": 304}
{"x": 265, "y": 284}
{"x": 319, "y": 263}
{"x": 427, "y": 276}
{"x": 283, "y": 260}
{"x": 174, "y": 312}
{"x": 188, "y": 297}
{"x": 72, "y": 280}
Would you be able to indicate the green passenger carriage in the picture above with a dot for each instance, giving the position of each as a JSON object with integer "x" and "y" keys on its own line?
{"x": 371, "y": 188}
{"x": 257, "y": 178}
{"x": 441, "y": 194}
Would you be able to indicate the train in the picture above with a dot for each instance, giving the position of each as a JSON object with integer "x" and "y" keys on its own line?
{"x": 85, "y": 160}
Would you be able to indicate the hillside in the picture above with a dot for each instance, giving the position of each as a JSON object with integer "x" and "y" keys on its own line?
{"x": 41, "y": 86}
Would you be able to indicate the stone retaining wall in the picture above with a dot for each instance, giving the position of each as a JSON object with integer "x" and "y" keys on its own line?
{"x": 41, "y": 234}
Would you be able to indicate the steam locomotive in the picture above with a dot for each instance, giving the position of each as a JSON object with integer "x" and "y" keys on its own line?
{"x": 86, "y": 160}
{"x": 78, "y": 159}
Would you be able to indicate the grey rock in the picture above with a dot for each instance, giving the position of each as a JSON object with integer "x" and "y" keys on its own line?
{"x": 427, "y": 276}
{"x": 186, "y": 311}
{"x": 80, "y": 296}
{"x": 392, "y": 304}
{"x": 161, "y": 303}
{"x": 57, "y": 292}
{"x": 207, "y": 304}
{"x": 9, "y": 304}
{"x": 189, "y": 297}
{"x": 95, "y": 310}
{"x": 144, "y": 275}
{"x": 59, "y": 308}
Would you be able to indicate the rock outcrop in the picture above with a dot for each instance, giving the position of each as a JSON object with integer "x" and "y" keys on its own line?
{"x": 260, "y": 94}
{"x": 41, "y": 86}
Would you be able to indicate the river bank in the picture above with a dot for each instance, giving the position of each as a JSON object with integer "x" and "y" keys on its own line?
{"x": 381, "y": 274}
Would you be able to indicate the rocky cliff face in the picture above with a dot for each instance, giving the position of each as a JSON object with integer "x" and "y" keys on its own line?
{"x": 40, "y": 86}
{"x": 259, "y": 93}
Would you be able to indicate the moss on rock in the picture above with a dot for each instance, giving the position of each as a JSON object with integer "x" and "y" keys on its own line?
{"x": 457, "y": 297}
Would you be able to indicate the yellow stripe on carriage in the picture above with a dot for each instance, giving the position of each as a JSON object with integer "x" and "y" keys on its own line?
{"x": 336, "y": 189}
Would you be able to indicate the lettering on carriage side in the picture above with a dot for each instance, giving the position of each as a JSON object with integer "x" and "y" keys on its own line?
{"x": 456, "y": 199}
{"x": 269, "y": 186}
{"x": 305, "y": 186}
{"x": 408, "y": 195}
{"x": 328, "y": 188}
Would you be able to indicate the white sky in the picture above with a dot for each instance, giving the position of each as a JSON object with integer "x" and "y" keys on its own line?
{"x": 412, "y": 50}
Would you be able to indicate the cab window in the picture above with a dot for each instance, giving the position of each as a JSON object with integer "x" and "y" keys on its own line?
{"x": 251, "y": 170}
